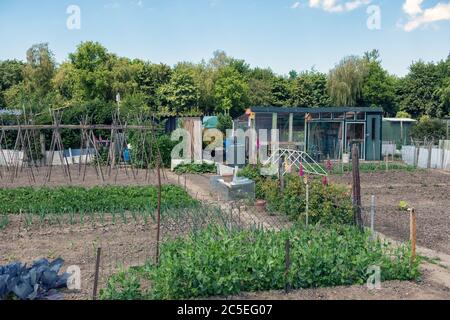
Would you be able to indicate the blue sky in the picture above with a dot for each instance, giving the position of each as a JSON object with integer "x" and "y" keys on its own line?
{"x": 280, "y": 34}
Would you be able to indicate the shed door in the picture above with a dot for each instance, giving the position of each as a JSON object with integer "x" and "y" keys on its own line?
{"x": 373, "y": 137}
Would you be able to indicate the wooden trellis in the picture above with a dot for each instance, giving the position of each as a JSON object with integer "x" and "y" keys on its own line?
{"x": 28, "y": 155}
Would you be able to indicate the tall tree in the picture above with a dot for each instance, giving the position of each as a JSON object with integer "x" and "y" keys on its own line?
{"x": 421, "y": 92}
{"x": 92, "y": 71}
{"x": 150, "y": 77}
{"x": 378, "y": 89}
{"x": 39, "y": 70}
{"x": 309, "y": 89}
{"x": 231, "y": 92}
{"x": 180, "y": 95}
{"x": 346, "y": 80}
{"x": 11, "y": 74}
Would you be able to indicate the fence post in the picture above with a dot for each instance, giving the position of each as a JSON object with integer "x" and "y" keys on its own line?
{"x": 413, "y": 232}
{"x": 287, "y": 286}
{"x": 356, "y": 186}
{"x": 97, "y": 271}
{"x": 280, "y": 173}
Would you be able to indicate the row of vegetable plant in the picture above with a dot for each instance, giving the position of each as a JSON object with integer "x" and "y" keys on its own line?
{"x": 91, "y": 200}
{"x": 221, "y": 262}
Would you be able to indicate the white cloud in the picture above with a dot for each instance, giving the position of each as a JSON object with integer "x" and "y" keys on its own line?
{"x": 412, "y": 7}
{"x": 419, "y": 16}
{"x": 295, "y": 5}
{"x": 337, "y": 5}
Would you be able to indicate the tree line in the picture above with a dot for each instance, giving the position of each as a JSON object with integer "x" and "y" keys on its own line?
{"x": 91, "y": 79}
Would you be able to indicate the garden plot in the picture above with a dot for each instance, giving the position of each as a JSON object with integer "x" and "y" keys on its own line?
{"x": 428, "y": 191}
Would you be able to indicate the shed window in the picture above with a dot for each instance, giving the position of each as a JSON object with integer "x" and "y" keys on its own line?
{"x": 338, "y": 115}
{"x": 326, "y": 115}
{"x": 360, "y": 116}
{"x": 350, "y": 116}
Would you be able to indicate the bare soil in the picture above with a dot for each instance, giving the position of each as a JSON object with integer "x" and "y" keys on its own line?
{"x": 27, "y": 177}
{"x": 428, "y": 191}
{"x": 123, "y": 245}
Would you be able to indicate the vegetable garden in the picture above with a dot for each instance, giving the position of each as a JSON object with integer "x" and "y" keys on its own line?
{"x": 207, "y": 249}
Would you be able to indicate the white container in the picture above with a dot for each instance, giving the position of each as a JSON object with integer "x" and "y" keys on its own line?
{"x": 345, "y": 158}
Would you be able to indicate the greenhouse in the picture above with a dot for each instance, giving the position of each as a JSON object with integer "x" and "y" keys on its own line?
{"x": 397, "y": 130}
{"x": 325, "y": 133}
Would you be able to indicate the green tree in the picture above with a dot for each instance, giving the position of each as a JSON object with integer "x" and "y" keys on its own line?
{"x": 378, "y": 89}
{"x": 92, "y": 71}
{"x": 150, "y": 77}
{"x": 345, "y": 81}
{"x": 260, "y": 82}
{"x": 180, "y": 96}
{"x": 39, "y": 70}
{"x": 421, "y": 91}
{"x": 309, "y": 89}
{"x": 224, "y": 122}
{"x": 11, "y": 74}
{"x": 231, "y": 92}
{"x": 428, "y": 129}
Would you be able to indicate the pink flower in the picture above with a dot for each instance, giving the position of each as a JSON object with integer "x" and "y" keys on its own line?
{"x": 329, "y": 166}
{"x": 325, "y": 181}
{"x": 302, "y": 172}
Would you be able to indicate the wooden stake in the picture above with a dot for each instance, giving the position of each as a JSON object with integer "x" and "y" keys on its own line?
{"x": 97, "y": 271}
{"x": 356, "y": 187}
{"x": 413, "y": 232}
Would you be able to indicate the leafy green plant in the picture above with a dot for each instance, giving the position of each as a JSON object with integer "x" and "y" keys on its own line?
{"x": 403, "y": 205}
{"x": 221, "y": 262}
{"x": 125, "y": 285}
{"x": 196, "y": 168}
{"x": 328, "y": 204}
{"x": 45, "y": 201}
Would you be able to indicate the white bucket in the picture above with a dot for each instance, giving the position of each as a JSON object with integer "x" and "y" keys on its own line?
{"x": 346, "y": 158}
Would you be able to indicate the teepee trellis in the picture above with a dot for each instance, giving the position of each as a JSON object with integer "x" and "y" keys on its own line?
{"x": 23, "y": 149}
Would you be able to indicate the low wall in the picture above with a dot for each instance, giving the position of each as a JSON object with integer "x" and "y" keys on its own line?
{"x": 72, "y": 156}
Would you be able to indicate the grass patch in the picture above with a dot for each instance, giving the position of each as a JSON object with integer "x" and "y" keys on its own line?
{"x": 372, "y": 167}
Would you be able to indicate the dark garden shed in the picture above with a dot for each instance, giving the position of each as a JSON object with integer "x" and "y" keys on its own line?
{"x": 324, "y": 133}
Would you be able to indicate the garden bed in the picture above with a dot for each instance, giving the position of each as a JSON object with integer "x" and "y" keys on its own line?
{"x": 221, "y": 262}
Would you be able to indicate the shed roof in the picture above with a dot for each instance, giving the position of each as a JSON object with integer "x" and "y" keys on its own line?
{"x": 315, "y": 110}
{"x": 399, "y": 120}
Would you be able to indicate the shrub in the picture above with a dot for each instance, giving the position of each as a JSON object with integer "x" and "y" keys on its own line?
{"x": 197, "y": 168}
{"x": 125, "y": 285}
{"x": 328, "y": 204}
{"x": 428, "y": 129}
{"x": 266, "y": 188}
{"x": 220, "y": 262}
